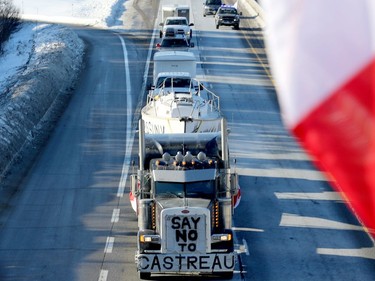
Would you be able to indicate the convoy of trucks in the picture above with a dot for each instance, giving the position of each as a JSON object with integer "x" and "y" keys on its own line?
{"x": 184, "y": 191}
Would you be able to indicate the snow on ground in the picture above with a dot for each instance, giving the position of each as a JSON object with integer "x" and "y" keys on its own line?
{"x": 101, "y": 13}
{"x": 28, "y": 88}
{"x": 16, "y": 54}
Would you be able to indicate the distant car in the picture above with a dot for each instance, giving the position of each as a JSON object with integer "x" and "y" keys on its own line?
{"x": 180, "y": 26}
{"x": 227, "y": 15}
{"x": 177, "y": 43}
{"x": 211, "y": 6}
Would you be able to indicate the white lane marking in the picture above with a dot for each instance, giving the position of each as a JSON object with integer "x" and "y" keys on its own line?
{"x": 109, "y": 245}
{"x": 283, "y": 173}
{"x": 291, "y": 220}
{"x": 367, "y": 253}
{"x": 103, "y": 275}
{"x": 129, "y": 135}
{"x": 129, "y": 140}
{"x": 247, "y": 229}
{"x": 115, "y": 215}
{"x": 326, "y": 195}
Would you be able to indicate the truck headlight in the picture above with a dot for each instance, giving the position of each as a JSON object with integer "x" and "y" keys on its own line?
{"x": 221, "y": 237}
{"x": 147, "y": 238}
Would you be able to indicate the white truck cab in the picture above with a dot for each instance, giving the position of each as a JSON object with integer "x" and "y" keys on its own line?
{"x": 180, "y": 25}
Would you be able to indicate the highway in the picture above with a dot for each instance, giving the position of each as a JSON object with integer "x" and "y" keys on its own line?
{"x": 71, "y": 218}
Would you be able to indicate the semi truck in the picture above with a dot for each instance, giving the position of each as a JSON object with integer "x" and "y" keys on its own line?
{"x": 176, "y": 18}
{"x": 184, "y": 194}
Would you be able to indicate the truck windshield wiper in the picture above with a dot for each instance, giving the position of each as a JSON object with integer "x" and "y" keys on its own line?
{"x": 170, "y": 195}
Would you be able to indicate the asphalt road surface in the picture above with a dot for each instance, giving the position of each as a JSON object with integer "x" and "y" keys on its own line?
{"x": 72, "y": 220}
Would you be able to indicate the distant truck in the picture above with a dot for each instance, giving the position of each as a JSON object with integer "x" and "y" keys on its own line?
{"x": 177, "y": 18}
{"x": 227, "y": 15}
{"x": 179, "y": 26}
{"x": 210, "y": 7}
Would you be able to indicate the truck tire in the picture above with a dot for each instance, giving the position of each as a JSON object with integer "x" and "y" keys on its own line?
{"x": 144, "y": 275}
{"x": 237, "y": 27}
{"x": 226, "y": 275}
{"x": 217, "y": 26}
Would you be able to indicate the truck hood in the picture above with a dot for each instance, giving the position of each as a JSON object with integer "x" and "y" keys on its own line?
{"x": 166, "y": 203}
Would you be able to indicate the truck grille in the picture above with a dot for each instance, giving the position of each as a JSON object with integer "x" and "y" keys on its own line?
{"x": 185, "y": 234}
{"x": 228, "y": 18}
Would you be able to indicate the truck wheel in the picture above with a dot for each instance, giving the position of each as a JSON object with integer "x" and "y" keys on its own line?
{"x": 160, "y": 34}
{"x": 144, "y": 275}
{"x": 217, "y": 26}
{"x": 237, "y": 27}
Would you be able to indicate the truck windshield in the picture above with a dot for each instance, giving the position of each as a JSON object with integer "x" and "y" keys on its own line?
{"x": 213, "y": 2}
{"x": 173, "y": 82}
{"x": 228, "y": 11}
{"x": 201, "y": 189}
{"x": 174, "y": 42}
{"x": 176, "y": 22}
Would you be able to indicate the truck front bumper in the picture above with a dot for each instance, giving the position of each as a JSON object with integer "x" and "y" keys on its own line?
{"x": 163, "y": 263}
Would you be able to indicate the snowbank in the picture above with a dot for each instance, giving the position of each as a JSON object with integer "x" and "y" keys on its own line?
{"x": 50, "y": 70}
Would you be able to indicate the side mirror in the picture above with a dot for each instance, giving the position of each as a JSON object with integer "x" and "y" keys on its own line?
{"x": 134, "y": 184}
{"x": 191, "y": 24}
{"x": 161, "y": 24}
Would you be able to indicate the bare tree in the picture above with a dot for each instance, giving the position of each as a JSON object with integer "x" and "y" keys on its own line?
{"x": 9, "y": 20}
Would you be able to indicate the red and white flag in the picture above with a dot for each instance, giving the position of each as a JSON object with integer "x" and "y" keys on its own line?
{"x": 322, "y": 56}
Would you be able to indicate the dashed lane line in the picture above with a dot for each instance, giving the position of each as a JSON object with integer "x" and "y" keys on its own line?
{"x": 103, "y": 275}
{"x": 109, "y": 245}
{"x": 115, "y": 215}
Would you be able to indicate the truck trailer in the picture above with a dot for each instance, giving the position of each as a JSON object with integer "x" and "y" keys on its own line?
{"x": 168, "y": 63}
{"x": 175, "y": 10}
